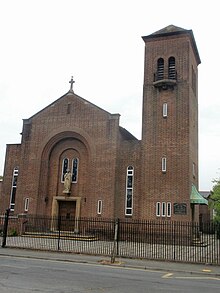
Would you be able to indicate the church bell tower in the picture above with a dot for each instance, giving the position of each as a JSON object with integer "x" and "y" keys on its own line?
{"x": 169, "y": 124}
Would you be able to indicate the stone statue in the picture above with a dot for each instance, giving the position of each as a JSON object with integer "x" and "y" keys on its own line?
{"x": 67, "y": 182}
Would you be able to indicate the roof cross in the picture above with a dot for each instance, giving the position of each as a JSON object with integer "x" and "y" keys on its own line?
{"x": 71, "y": 84}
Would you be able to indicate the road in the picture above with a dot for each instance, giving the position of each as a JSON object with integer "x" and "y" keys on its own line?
{"x": 22, "y": 275}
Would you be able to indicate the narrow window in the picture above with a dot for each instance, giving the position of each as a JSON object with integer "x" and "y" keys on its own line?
{"x": 163, "y": 212}
{"x": 99, "y": 208}
{"x": 164, "y": 110}
{"x": 68, "y": 108}
{"x": 129, "y": 191}
{"x": 13, "y": 189}
{"x": 164, "y": 164}
{"x": 158, "y": 209}
{"x": 160, "y": 69}
{"x": 65, "y": 167}
{"x": 171, "y": 68}
{"x": 194, "y": 169}
{"x": 169, "y": 209}
{"x": 75, "y": 165}
{"x": 193, "y": 80}
{"x": 26, "y": 204}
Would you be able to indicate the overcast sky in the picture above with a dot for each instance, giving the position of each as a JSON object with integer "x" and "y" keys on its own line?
{"x": 43, "y": 43}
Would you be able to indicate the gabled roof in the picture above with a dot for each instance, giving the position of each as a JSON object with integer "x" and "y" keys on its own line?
{"x": 169, "y": 29}
{"x": 205, "y": 194}
{"x": 126, "y": 134}
{"x": 69, "y": 93}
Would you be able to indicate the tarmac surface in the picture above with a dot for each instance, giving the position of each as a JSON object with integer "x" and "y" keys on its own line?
{"x": 166, "y": 266}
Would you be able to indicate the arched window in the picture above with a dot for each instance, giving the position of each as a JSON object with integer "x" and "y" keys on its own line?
{"x": 129, "y": 191}
{"x": 65, "y": 167}
{"x": 72, "y": 166}
{"x": 171, "y": 68}
{"x": 160, "y": 69}
{"x": 75, "y": 165}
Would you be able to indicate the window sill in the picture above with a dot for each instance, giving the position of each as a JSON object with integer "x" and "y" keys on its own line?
{"x": 165, "y": 84}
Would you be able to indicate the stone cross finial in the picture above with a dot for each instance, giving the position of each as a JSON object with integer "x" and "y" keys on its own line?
{"x": 71, "y": 84}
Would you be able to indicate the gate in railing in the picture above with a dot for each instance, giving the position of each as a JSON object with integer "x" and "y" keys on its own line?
{"x": 173, "y": 241}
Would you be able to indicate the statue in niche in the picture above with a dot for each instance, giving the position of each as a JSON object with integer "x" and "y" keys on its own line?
{"x": 67, "y": 182}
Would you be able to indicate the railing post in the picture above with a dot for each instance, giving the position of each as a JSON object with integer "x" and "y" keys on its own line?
{"x": 5, "y": 228}
{"x": 114, "y": 250}
{"x": 59, "y": 232}
{"x": 174, "y": 238}
{"x": 118, "y": 236}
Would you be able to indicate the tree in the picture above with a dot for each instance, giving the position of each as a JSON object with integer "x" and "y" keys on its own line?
{"x": 215, "y": 199}
{"x": 1, "y": 177}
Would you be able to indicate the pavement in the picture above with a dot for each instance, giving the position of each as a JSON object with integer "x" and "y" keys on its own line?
{"x": 154, "y": 265}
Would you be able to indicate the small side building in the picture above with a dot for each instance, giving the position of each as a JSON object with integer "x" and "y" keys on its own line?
{"x": 205, "y": 211}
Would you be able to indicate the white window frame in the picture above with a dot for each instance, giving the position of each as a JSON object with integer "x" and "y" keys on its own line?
{"x": 158, "y": 207}
{"x": 13, "y": 188}
{"x": 26, "y": 204}
{"x": 163, "y": 209}
{"x": 164, "y": 164}
{"x": 165, "y": 108}
{"x": 130, "y": 172}
{"x": 169, "y": 211}
{"x": 99, "y": 207}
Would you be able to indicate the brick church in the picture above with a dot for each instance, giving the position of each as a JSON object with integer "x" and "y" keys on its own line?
{"x": 75, "y": 160}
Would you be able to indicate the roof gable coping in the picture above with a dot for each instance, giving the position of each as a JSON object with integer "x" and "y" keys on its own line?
{"x": 71, "y": 93}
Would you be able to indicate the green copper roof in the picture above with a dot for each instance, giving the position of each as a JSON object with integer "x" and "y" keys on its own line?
{"x": 196, "y": 198}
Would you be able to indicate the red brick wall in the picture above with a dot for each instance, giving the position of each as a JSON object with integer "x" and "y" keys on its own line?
{"x": 174, "y": 137}
{"x": 71, "y": 126}
{"x": 91, "y": 133}
{"x": 128, "y": 155}
{"x": 12, "y": 160}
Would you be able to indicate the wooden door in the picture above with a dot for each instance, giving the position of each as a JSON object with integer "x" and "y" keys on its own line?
{"x": 67, "y": 210}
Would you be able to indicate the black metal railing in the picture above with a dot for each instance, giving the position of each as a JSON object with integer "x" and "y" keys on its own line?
{"x": 162, "y": 240}
{"x": 171, "y": 75}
